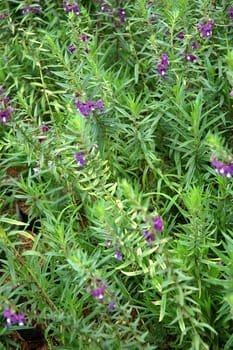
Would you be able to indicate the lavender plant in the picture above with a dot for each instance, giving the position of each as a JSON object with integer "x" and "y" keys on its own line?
{"x": 116, "y": 174}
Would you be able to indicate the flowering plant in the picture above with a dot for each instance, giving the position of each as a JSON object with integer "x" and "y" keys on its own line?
{"x": 116, "y": 173}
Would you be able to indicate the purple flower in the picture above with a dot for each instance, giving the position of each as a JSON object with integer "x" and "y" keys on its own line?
{"x": 12, "y": 318}
{"x": 82, "y": 108}
{"x": 67, "y": 7}
{"x": 8, "y": 315}
{"x": 190, "y": 57}
{"x": 163, "y": 63}
{"x": 181, "y": 35}
{"x": 45, "y": 128}
{"x": 118, "y": 255}
{"x": 222, "y": 168}
{"x": 121, "y": 14}
{"x": 111, "y": 306}
{"x": 230, "y": 12}
{"x": 90, "y": 105}
{"x": 86, "y": 108}
{"x": 162, "y": 70}
{"x": 207, "y": 33}
{"x": 231, "y": 93}
{"x": 4, "y": 116}
{"x": 164, "y": 59}
{"x": 79, "y": 157}
{"x": 195, "y": 46}
{"x": 98, "y": 293}
{"x": 149, "y": 236}
{"x": 100, "y": 105}
{"x": 206, "y": 28}
{"x": 20, "y": 319}
{"x": 84, "y": 37}
{"x": 71, "y": 49}
{"x": 158, "y": 223}
{"x": 76, "y": 9}
{"x": 71, "y": 7}
{"x": 153, "y": 19}
{"x": 104, "y": 7}
{"x": 5, "y": 108}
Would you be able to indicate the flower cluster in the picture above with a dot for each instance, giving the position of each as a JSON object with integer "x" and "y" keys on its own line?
{"x": 4, "y": 15}
{"x": 162, "y": 65}
{"x": 80, "y": 160}
{"x": 84, "y": 38}
{"x": 13, "y": 318}
{"x": 86, "y": 108}
{"x": 230, "y": 12}
{"x": 157, "y": 226}
{"x": 119, "y": 12}
{"x": 99, "y": 293}
{"x": 5, "y": 108}
{"x": 206, "y": 28}
{"x": 71, "y": 7}
{"x": 32, "y": 9}
{"x": 190, "y": 57}
{"x": 223, "y": 168}
{"x": 99, "y": 290}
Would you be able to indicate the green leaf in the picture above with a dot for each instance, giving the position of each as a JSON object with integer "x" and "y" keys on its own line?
{"x": 163, "y": 307}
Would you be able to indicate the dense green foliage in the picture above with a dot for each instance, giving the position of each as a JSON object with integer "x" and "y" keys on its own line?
{"x": 79, "y": 192}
